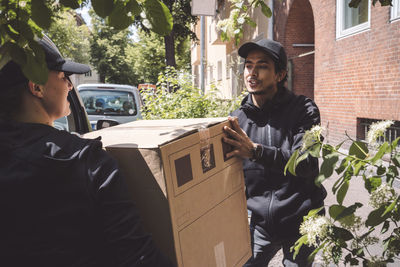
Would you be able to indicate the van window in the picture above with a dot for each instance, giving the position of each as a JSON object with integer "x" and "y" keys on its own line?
{"x": 107, "y": 102}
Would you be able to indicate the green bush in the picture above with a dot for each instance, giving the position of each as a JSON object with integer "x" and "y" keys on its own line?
{"x": 177, "y": 98}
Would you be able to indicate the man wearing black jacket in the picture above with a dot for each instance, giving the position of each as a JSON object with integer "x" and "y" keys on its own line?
{"x": 266, "y": 130}
{"x": 63, "y": 200}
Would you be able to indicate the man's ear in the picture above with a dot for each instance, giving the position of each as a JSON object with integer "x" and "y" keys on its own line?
{"x": 35, "y": 89}
{"x": 281, "y": 75}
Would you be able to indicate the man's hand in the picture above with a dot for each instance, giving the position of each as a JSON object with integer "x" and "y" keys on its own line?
{"x": 243, "y": 146}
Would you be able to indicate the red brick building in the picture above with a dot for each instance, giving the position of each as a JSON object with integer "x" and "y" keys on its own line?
{"x": 354, "y": 73}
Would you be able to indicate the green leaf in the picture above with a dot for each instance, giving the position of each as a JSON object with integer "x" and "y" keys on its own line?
{"x": 119, "y": 18}
{"x": 315, "y": 150}
{"x": 381, "y": 170}
{"x": 159, "y": 17}
{"x": 335, "y": 210}
{"x": 326, "y": 150}
{"x": 35, "y": 69}
{"x": 265, "y": 9}
{"x": 358, "y": 166}
{"x": 41, "y": 13}
{"x": 291, "y": 164}
{"x": 354, "y": 3}
{"x": 395, "y": 142}
{"x": 22, "y": 28}
{"x": 382, "y": 150}
{"x": 312, "y": 213}
{"x": 103, "y": 8}
{"x": 376, "y": 217}
{"x": 342, "y": 192}
{"x": 337, "y": 184}
{"x": 371, "y": 184}
{"x": 74, "y": 4}
{"x": 342, "y": 166}
{"x": 385, "y": 227}
{"x": 133, "y": 7}
{"x": 349, "y": 210}
{"x": 341, "y": 233}
{"x": 359, "y": 149}
{"x": 299, "y": 242}
{"x": 327, "y": 167}
{"x": 17, "y": 54}
{"x": 339, "y": 145}
{"x": 251, "y": 22}
{"x": 396, "y": 160}
{"x": 391, "y": 206}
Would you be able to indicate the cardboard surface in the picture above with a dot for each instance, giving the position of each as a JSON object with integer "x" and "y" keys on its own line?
{"x": 191, "y": 198}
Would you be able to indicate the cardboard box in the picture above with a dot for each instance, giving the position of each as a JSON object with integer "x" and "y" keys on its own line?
{"x": 190, "y": 197}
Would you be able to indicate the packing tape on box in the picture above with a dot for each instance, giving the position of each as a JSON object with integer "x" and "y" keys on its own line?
{"x": 219, "y": 252}
{"x": 204, "y": 134}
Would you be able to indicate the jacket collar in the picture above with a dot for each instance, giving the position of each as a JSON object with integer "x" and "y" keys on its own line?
{"x": 282, "y": 97}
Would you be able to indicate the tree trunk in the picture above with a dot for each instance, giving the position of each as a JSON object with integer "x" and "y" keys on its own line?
{"x": 170, "y": 49}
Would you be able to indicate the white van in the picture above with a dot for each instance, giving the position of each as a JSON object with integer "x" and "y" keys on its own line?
{"x": 111, "y": 102}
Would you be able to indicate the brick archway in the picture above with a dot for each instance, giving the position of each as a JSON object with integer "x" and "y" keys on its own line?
{"x": 294, "y": 28}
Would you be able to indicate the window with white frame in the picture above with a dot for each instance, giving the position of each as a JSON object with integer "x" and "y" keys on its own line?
{"x": 395, "y": 10}
{"x": 351, "y": 20}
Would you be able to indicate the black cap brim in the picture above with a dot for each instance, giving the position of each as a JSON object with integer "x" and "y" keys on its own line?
{"x": 73, "y": 67}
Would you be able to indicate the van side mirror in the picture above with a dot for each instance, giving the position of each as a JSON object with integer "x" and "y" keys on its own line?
{"x": 105, "y": 124}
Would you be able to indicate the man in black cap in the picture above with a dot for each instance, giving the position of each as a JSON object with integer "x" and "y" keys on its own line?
{"x": 63, "y": 201}
{"x": 266, "y": 130}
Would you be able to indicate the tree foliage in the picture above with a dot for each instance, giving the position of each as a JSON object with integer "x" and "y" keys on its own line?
{"x": 167, "y": 102}
{"x": 181, "y": 31}
{"x": 108, "y": 51}
{"x": 71, "y": 39}
{"x": 21, "y": 21}
{"x": 147, "y": 56}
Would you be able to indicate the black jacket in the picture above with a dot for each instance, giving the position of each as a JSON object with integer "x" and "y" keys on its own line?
{"x": 278, "y": 202}
{"x": 63, "y": 202}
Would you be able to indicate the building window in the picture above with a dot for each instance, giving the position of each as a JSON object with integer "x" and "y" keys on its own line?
{"x": 352, "y": 20}
{"x": 390, "y": 135}
{"x": 88, "y": 74}
{"x": 219, "y": 74}
{"x": 395, "y": 10}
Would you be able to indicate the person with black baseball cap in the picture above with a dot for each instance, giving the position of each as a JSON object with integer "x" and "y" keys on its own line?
{"x": 63, "y": 200}
{"x": 266, "y": 129}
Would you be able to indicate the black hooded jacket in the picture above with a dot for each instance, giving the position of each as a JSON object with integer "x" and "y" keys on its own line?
{"x": 63, "y": 202}
{"x": 278, "y": 202}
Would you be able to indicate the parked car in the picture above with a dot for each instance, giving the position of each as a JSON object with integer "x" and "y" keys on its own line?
{"x": 111, "y": 102}
{"x": 77, "y": 121}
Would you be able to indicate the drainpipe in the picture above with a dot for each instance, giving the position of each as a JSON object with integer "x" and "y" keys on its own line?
{"x": 202, "y": 50}
{"x": 271, "y": 21}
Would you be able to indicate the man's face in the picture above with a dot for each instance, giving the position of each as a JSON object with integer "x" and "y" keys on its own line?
{"x": 259, "y": 74}
{"x": 55, "y": 95}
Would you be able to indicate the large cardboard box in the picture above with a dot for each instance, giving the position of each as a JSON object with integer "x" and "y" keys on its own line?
{"x": 191, "y": 198}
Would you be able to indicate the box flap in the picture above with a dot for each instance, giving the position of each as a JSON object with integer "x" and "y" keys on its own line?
{"x": 151, "y": 133}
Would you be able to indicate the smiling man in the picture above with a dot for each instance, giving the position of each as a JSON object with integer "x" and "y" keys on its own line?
{"x": 266, "y": 130}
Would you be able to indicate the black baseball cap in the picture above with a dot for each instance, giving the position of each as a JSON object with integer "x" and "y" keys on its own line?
{"x": 270, "y": 47}
{"x": 11, "y": 74}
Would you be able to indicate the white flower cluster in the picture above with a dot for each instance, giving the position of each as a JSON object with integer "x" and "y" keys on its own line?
{"x": 381, "y": 196}
{"x": 311, "y": 136}
{"x": 376, "y": 130}
{"x": 316, "y": 228}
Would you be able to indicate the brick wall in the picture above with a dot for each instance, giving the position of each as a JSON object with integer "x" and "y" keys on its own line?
{"x": 357, "y": 76}
{"x": 295, "y": 25}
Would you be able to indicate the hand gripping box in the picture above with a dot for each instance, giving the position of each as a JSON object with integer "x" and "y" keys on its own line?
{"x": 190, "y": 197}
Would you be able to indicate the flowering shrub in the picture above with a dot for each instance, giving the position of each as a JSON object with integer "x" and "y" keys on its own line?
{"x": 232, "y": 27}
{"x": 177, "y": 98}
{"x": 343, "y": 235}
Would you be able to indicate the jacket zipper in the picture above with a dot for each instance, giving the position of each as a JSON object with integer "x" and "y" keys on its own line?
{"x": 269, "y": 143}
